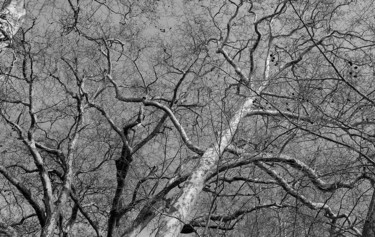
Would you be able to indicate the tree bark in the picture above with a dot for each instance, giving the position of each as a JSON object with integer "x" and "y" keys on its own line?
{"x": 178, "y": 214}
{"x": 122, "y": 167}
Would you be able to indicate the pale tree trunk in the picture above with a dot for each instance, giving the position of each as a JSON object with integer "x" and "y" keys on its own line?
{"x": 369, "y": 227}
{"x": 178, "y": 214}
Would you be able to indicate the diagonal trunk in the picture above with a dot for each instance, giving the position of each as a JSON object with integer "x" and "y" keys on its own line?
{"x": 172, "y": 223}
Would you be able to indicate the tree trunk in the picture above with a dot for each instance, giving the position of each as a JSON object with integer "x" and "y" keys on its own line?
{"x": 122, "y": 167}
{"x": 172, "y": 223}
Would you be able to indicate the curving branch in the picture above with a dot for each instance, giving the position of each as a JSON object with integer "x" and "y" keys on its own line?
{"x": 312, "y": 175}
{"x": 252, "y": 158}
{"x": 118, "y": 93}
{"x": 177, "y": 124}
{"x": 247, "y": 180}
{"x": 26, "y": 193}
{"x": 284, "y": 184}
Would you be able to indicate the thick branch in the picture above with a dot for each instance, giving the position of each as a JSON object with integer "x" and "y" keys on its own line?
{"x": 284, "y": 184}
{"x": 26, "y": 193}
{"x": 177, "y": 124}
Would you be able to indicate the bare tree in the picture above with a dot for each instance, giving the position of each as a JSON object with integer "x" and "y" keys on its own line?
{"x": 126, "y": 118}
